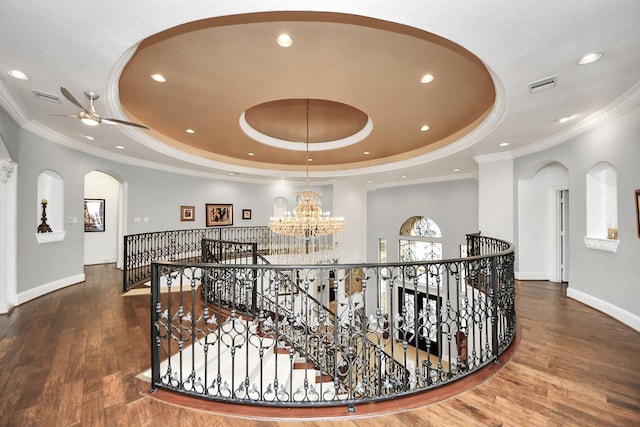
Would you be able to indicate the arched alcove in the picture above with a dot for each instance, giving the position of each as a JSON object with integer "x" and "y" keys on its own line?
{"x": 543, "y": 223}
{"x": 49, "y": 205}
{"x": 602, "y": 208}
{"x": 102, "y": 246}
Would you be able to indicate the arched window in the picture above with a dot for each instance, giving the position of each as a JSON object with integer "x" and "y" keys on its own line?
{"x": 422, "y": 240}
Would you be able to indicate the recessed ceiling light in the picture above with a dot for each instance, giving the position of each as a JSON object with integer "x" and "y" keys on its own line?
{"x": 158, "y": 78}
{"x": 366, "y": 153}
{"x": 369, "y": 181}
{"x": 404, "y": 177}
{"x": 456, "y": 170}
{"x": 190, "y": 131}
{"x": 231, "y": 173}
{"x": 564, "y": 119}
{"x": 589, "y": 58}
{"x": 504, "y": 144}
{"x": 17, "y": 74}
{"x": 284, "y": 40}
{"x": 427, "y": 78}
{"x": 119, "y": 147}
{"x": 251, "y": 154}
{"x": 89, "y": 137}
{"x": 424, "y": 128}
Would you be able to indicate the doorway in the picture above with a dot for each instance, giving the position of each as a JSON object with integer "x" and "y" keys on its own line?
{"x": 562, "y": 237}
{"x": 101, "y": 245}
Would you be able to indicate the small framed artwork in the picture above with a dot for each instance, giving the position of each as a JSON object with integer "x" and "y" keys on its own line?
{"x": 93, "y": 215}
{"x": 187, "y": 213}
{"x": 246, "y": 213}
{"x": 219, "y": 214}
{"x": 638, "y": 211}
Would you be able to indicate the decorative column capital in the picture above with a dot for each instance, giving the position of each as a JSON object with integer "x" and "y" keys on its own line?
{"x": 6, "y": 167}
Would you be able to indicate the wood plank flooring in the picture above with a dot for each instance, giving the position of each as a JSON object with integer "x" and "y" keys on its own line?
{"x": 70, "y": 358}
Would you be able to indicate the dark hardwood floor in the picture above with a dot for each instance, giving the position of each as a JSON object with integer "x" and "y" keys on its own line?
{"x": 71, "y": 357}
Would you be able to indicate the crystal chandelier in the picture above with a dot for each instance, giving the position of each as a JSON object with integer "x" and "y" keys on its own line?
{"x": 307, "y": 218}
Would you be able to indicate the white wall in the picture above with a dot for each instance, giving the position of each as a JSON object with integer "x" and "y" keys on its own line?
{"x": 351, "y": 203}
{"x": 496, "y": 197}
{"x": 101, "y": 247}
{"x": 609, "y": 282}
{"x": 453, "y": 205}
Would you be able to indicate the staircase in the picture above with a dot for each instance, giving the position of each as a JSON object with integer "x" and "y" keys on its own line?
{"x": 239, "y": 360}
{"x": 240, "y": 344}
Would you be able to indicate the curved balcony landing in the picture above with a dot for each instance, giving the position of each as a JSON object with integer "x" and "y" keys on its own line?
{"x": 418, "y": 400}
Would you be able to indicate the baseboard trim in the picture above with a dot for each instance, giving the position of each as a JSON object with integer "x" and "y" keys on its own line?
{"x": 41, "y": 290}
{"x": 629, "y": 319}
{"x": 94, "y": 261}
{"x": 527, "y": 275}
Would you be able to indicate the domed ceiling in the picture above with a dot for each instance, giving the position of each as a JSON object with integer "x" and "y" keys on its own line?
{"x": 233, "y": 94}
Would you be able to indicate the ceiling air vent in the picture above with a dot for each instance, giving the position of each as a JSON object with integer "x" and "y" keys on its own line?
{"x": 548, "y": 83}
{"x": 44, "y": 96}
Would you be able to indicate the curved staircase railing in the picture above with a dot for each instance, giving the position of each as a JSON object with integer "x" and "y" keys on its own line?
{"x": 386, "y": 330}
{"x": 314, "y": 314}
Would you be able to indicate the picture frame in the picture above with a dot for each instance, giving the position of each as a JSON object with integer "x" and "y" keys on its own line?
{"x": 94, "y": 220}
{"x": 638, "y": 211}
{"x": 187, "y": 213}
{"x": 246, "y": 213}
{"x": 218, "y": 214}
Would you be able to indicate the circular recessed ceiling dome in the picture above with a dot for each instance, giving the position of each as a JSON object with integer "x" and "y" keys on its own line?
{"x": 228, "y": 80}
{"x": 291, "y": 123}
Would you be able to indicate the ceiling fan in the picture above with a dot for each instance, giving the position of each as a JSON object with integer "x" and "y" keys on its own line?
{"x": 88, "y": 115}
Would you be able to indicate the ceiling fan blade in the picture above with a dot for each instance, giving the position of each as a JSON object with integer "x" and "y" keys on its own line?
{"x": 71, "y": 99}
{"x": 122, "y": 122}
{"x": 75, "y": 116}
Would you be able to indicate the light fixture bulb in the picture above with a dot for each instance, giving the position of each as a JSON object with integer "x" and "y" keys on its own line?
{"x": 89, "y": 121}
{"x": 17, "y": 74}
{"x": 589, "y": 58}
{"x": 427, "y": 78}
{"x": 158, "y": 78}
{"x": 284, "y": 40}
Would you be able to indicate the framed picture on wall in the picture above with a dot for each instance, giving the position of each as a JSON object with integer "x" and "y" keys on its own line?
{"x": 219, "y": 214}
{"x": 187, "y": 213}
{"x": 93, "y": 215}
{"x": 246, "y": 213}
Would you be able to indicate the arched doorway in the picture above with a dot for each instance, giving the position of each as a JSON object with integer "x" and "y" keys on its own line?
{"x": 543, "y": 214}
{"x": 102, "y": 245}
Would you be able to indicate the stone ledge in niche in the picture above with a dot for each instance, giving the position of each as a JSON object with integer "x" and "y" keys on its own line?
{"x": 56, "y": 236}
{"x": 605, "y": 245}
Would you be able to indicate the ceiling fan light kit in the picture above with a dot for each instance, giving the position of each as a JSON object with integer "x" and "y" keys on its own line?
{"x": 88, "y": 115}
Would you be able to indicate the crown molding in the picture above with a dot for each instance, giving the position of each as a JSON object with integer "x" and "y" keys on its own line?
{"x": 619, "y": 106}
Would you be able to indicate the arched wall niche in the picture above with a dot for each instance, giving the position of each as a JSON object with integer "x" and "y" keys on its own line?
{"x": 50, "y": 191}
{"x": 602, "y": 207}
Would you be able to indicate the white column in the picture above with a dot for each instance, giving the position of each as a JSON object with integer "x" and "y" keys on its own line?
{"x": 496, "y": 208}
{"x": 8, "y": 197}
{"x": 351, "y": 203}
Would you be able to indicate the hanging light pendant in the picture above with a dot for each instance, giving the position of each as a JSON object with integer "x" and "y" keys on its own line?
{"x": 307, "y": 218}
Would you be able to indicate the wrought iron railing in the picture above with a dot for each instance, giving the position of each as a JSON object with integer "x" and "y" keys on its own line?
{"x": 256, "y": 333}
{"x": 179, "y": 245}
